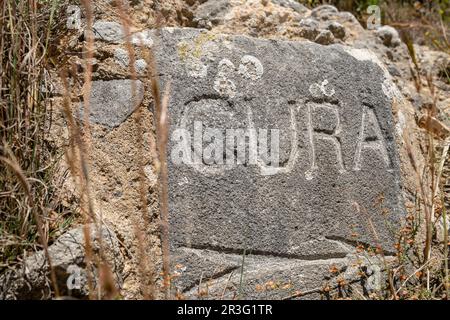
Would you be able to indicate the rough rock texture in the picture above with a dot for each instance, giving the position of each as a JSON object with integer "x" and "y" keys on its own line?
{"x": 268, "y": 19}
{"x": 389, "y": 36}
{"x": 118, "y": 146}
{"x": 212, "y": 11}
{"x": 339, "y": 171}
{"x": 68, "y": 257}
{"x": 108, "y": 31}
{"x": 111, "y": 102}
{"x": 210, "y": 274}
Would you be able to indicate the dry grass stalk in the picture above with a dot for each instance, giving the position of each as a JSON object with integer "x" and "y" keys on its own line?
{"x": 82, "y": 148}
{"x": 26, "y": 191}
{"x": 162, "y": 132}
{"x": 75, "y": 160}
{"x": 145, "y": 265}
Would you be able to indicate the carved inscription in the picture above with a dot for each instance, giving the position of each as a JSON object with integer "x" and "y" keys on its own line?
{"x": 271, "y": 145}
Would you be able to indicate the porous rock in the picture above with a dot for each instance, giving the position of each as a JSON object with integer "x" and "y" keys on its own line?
{"x": 338, "y": 175}
{"x": 389, "y": 36}
{"x": 111, "y": 102}
{"x": 32, "y": 280}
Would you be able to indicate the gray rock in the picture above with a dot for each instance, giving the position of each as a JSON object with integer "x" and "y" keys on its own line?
{"x": 259, "y": 277}
{"x": 111, "y": 102}
{"x": 140, "y": 65}
{"x": 294, "y": 5}
{"x": 204, "y": 24}
{"x": 348, "y": 16}
{"x": 325, "y": 37}
{"x": 142, "y": 38}
{"x": 389, "y": 36}
{"x": 393, "y": 70}
{"x": 113, "y": 32}
{"x": 328, "y": 13}
{"x": 121, "y": 57}
{"x": 322, "y": 10}
{"x": 213, "y": 11}
{"x": 309, "y": 23}
{"x": 337, "y": 29}
{"x": 309, "y": 28}
{"x": 338, "y": 177}
{"x": 108, "y": 31}
{"x": 68, "y": 257}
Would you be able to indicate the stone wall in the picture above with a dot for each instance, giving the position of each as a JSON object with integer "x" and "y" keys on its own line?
{"x": 340, "y": 99}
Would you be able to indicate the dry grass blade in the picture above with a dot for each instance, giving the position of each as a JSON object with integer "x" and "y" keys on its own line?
{"x": 26, "y": 186}
{"x": 159, "y": 149}
{"x": 27, "y": 194}
{"x": 163, "y": 132}
{"x": 145, "y": 266}
{"x": 434, "y": 126}
{"x": 85, "y": 150}
{"x": 18, "y": 172}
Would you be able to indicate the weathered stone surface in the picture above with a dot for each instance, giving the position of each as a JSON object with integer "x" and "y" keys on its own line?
{"x": 226, "y": 276}
{"x": 121, "y": 57}
{"x": 325, "y": 37}
{"x": 114, "y": 32}
{"x": 142, "y": 38}
{"x": 68, "y": 257}
{"x": 337, "y": 29}
{"x": 294, "y": 5}
{"x": 111, "y": 102}
{"x": 214, "y": 11}
{"x": 318, "y": 11}
{"x": 338, "y": 181}
{"x": 109, "y": 31}
{"x": 114, "y": 170}
{"x": 309, "y": 28}
{"x": 389, "y": 36}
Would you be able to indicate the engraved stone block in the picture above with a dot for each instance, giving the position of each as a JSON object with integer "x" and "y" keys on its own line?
{"x": 283, "y": 149}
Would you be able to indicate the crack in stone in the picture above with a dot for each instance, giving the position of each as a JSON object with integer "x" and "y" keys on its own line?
{"x": 312, "y": 257}
{"x": 354, "y": 243}
{"x": 215, "y": 276}
{"x": 203, "y": 97}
